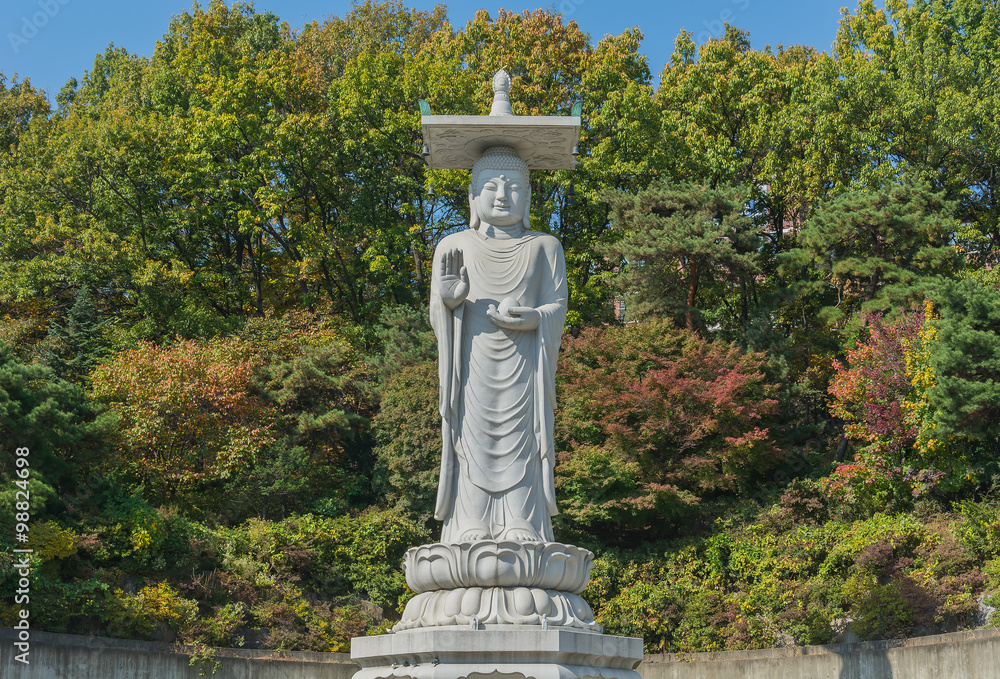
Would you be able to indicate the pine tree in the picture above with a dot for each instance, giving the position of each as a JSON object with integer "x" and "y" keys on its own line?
{"x": 877, "y": 249}
{"x": 49, "y": 416}
{"x": 677, "y": 242}
{"x": 966, "y": 362}
{"x": 77, "y": 345}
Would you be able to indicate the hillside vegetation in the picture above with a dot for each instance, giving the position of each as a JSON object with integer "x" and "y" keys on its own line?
{"x": 779, "y": 385}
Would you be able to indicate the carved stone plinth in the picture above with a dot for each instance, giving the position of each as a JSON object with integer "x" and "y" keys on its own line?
{"x": 503, "y": 652}
{"x": 498, "y": 606}
{"x": 498, "y": 582}
{"x": 491, "y": 563}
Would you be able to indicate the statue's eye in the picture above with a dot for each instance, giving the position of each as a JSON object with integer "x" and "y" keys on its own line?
{"x": 490, "y": 186}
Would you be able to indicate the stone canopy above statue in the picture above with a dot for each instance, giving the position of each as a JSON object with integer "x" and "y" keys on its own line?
{"x": 543, "y": 142}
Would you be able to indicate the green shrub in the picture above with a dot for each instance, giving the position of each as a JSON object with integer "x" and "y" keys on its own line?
{"x": 979, "y": 529}
{"x": 135, "y": 615}
{"x": 882, "y": 613}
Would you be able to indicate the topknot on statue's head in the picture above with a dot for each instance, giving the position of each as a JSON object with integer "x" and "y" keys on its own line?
{"x": 498, "y": 158}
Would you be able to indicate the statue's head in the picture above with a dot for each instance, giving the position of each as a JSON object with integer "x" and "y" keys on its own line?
{"x": 499, "y": 191}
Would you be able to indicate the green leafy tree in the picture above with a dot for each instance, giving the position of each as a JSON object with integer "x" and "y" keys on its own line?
{"x": 19, "y": 104}
{"x": 912, "y": 94}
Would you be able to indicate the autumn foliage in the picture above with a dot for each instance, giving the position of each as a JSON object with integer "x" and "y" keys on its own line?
{"x": 188, "y": 414}
{"x": 657, "y": 418}
{"x": 870, "y": 387}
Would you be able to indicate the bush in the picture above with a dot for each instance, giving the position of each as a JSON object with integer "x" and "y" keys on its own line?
{"x": 188, "y": 415}
{"x": 136, "y": 615}
{"x": 408, "y": 432}
{"x": 680, "y": 418}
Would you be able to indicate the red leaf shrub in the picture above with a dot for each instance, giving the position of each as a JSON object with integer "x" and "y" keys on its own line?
{"x": 677, "y": 416}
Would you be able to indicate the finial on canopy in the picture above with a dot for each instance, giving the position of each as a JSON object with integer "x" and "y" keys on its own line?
{"x": 501, "y": 95}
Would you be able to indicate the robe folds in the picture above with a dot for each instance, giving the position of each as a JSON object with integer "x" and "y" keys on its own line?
{"x": 497, "y": 388}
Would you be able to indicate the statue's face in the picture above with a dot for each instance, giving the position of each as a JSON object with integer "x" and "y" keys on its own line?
{"x": 502, "y": 196}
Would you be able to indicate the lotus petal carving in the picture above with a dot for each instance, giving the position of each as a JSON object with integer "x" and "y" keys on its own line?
{"x": 489, "y": 563}
{"x": 497, "y": 606}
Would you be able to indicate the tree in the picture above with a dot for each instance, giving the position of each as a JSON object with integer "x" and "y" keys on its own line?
{"x": 874, "y": 249}
{"x": 733, "y": 115}
{"x": 675, "y": 417}
{"x": 405, "y": 338}
{"x": 679, "y": 240}
{"x": 321, "y": 453}
{"x": 188, "y": 417}
{"x": 408, "y": 435}
{"x": 52, "y": 417}
{"x": 871, "y": 387}
{"x": 965, "y": 358}
{"x": 76, "y": 345}
{"x": 912, "y": 95}
{"x": 20, "y": 103}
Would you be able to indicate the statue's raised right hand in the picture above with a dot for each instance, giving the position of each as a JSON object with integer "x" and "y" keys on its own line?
{"x": 454, "y": 279}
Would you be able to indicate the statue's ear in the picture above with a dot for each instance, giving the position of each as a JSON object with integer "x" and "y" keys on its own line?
{"x": 526, "y": 222}
{"x": 474, "y": 220}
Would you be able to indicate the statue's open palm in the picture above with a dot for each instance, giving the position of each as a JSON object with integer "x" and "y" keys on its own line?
{"x": 454, "y": 279}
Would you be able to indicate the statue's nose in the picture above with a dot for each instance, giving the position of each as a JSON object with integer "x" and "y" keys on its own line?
{"x": 502, "y": 191}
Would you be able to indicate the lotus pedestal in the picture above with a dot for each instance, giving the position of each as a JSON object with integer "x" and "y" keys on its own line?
{"x": 497, "y": 609}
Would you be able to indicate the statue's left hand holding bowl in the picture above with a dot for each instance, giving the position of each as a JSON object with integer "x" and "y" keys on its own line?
{"x": 510, "y": 316}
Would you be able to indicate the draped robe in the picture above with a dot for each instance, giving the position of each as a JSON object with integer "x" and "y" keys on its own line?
{"x": 497, "y": 388}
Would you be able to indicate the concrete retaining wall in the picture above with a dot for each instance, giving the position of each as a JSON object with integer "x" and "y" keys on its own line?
{"x": 68, "y": 656}
{"x": 963, "y": 655}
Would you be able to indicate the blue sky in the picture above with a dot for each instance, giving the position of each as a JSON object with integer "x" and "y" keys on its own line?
{"x": 51, "y": 41}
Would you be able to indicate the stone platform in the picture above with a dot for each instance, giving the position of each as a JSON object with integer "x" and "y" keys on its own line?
{"x": 497, "y": 652}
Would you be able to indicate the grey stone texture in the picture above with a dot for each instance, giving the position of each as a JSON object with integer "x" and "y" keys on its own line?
{"x": 70, "y": 656}
{"x": 512, "y": 651}
{"x": 961, "y": 655}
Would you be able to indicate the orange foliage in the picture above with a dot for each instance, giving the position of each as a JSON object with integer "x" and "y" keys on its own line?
{"x": 187, "y": 412}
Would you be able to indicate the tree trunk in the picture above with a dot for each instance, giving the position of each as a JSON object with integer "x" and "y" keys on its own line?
{"x": 692, "y": 289}
{"x": 841, "y": 448}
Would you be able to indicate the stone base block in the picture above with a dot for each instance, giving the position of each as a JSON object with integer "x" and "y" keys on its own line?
{"x": 496, "y": 652}
{"x": 497, "y": 606}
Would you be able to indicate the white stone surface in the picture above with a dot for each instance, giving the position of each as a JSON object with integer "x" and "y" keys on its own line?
{"x": 505, "y": 651}
{"x": 501, "y": 95}
{"x": 498, "y": 606}
{"x": 497, "y": 370}
{"x": 544, "y": 142}
{"x": 488, "y": 563}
